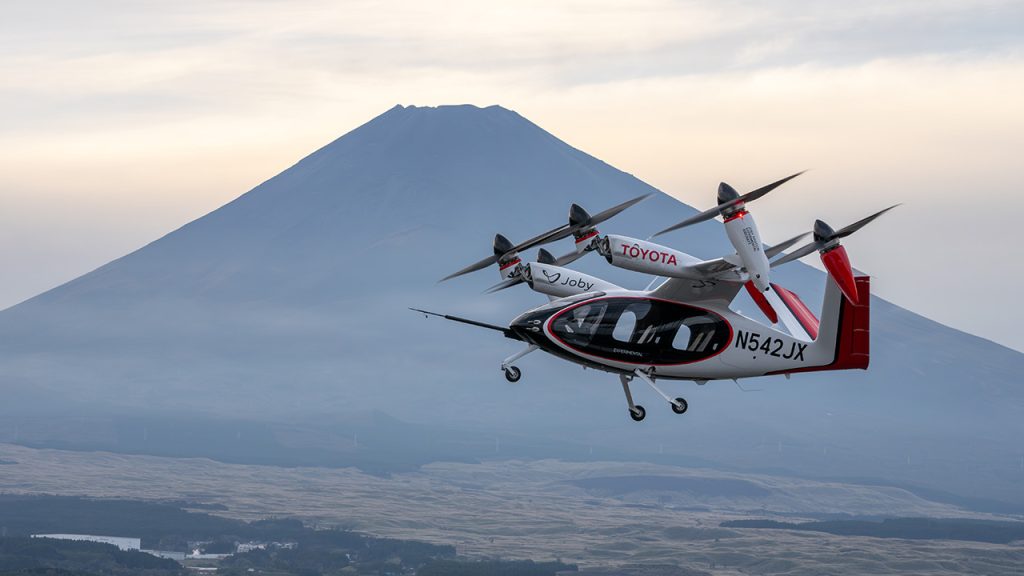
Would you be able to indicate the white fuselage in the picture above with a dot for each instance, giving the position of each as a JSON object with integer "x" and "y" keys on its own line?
{"x": 623, "y": 330}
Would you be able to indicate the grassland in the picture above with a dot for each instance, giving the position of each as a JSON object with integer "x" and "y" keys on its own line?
{"x": 598, "y": 515}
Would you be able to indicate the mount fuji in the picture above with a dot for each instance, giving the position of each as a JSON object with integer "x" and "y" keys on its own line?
{"x": 290, "y": 305}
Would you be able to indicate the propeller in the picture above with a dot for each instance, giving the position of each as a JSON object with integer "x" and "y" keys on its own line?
{"x": 579, "y": 220}
{"x": 773, "y": 251}
{"x": 833, "y": 255}
{"x": 823, "y": 234}
{"x": 581, "y": 216}
{"x": 728, "y": 198}
{"x": 543, "y": 257}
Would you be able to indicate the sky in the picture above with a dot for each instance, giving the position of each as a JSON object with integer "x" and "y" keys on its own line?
{"x": 122, "y": 120}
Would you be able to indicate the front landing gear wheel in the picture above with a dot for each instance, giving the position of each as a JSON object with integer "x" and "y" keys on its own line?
{"x": 637, "y": 413}
{"x": 680, "y": 406}
{"x": 512, "y": 374}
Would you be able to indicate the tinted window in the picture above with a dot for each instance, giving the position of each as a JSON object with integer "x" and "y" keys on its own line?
{"x": 625, "y": 326}
{"x": 681, "y": 341}
{"x": 579, "y": 325}
{"x": 642, "y": 331}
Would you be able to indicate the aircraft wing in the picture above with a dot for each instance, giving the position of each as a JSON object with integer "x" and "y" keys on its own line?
{"x": 711, "y": 268}
{"x": 696, "y": 291}
{"x": 719, "y": 266}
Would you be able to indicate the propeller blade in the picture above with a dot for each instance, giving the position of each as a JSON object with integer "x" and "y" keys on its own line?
{"x": 549, "y": 236}
{"x": 715, "y": 211}
{"x": 563, "y": 231}
{"x": 754, "y": 195}
{"x": 705, "y": 215}
{"x": 773, "y": 251}
{"x": 844, "y": 232}
{"x": 798, "y": 253}
{"x": 504, "y": 284}
{"x": 472, "y": 267}
{"x": 614, "y": 210}
{"x": 569, "y": 258}
{"x": 545, "y": 257}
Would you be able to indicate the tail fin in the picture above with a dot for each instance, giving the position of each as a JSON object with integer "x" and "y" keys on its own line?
{"x": 844, "y": 339}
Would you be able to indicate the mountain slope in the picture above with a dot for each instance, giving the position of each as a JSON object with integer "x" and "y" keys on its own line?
{"x": 291, "y": 302}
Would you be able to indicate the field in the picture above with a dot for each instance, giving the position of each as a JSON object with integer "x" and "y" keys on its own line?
{"x": 599, "y": 515}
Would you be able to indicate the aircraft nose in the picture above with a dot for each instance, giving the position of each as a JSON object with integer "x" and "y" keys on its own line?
{"x": 529, "y": 326}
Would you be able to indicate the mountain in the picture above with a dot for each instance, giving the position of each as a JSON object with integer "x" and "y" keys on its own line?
{"x": 289, "y": 305}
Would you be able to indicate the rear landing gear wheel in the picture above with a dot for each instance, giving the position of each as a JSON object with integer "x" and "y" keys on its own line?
{"x": 637, "y": 413}
{"x": 680, "y": 406}
{"x": 512, "y": 374}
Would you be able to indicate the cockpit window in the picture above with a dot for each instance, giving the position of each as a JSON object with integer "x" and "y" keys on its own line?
{"x": 579, "y": 325}
{"x": 625, "y": 326}
{"x": 682, "y": 339}
{"x": 641, "y": 330}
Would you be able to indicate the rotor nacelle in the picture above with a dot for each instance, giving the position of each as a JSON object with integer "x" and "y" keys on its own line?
{"x": 740, "y": 228}
{"x": 729, "y": 200}
{"x": 746, "y": 240}
{"x": 581, "y": 224}
{"x": 643, "y": 256}
{"x": 508, "y": 257}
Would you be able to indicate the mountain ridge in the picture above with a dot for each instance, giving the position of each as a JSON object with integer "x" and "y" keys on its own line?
{"x": 291, "y": 300}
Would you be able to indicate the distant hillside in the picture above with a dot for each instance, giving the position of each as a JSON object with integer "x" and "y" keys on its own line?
{"x": 289, "y": 304}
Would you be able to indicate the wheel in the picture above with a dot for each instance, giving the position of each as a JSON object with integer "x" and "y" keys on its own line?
{"x": 680, "y": 406}
{"x": 637, "y": 413}
{"x": 512, "y": 374}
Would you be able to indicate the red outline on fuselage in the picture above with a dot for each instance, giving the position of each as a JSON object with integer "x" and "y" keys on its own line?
{"x": 554, "y": 336}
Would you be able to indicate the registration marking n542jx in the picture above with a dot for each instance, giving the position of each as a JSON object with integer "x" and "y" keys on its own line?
{"x": 771, "y": 346}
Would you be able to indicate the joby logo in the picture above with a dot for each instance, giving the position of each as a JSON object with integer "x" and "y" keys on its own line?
{"x": 552, "y": 278}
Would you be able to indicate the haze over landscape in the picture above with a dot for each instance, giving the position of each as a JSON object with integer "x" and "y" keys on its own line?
{"x": 290, "y": 304}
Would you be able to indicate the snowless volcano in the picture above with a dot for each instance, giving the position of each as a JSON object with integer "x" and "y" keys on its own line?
{"x": 290, "y": 304}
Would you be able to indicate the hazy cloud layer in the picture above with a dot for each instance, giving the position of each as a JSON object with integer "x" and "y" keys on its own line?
{"x": 121, "y": 120}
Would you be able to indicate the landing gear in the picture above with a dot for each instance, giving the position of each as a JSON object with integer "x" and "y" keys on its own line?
{"x": 637, "y": 413}
{"x": 680, "y": 406}
{"x": 513, "y": 374}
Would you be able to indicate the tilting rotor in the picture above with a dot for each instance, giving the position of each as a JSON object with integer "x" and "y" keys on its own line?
{"x": 581, "y": 225}
{"x": 833, "y": 254}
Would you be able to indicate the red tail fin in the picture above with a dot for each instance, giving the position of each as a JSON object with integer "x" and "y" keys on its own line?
{"x": 854, "y": 341}
{"x": 851, "y": 331}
